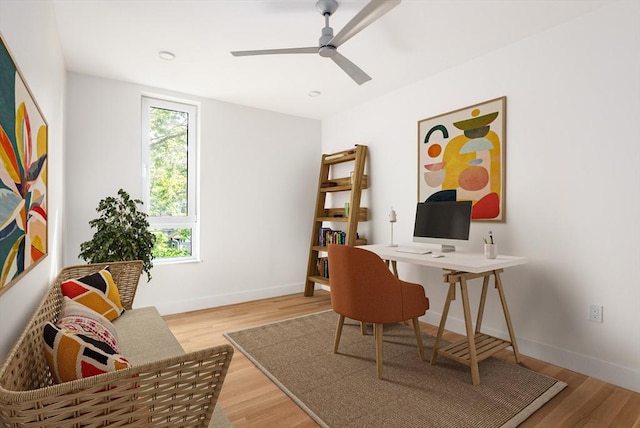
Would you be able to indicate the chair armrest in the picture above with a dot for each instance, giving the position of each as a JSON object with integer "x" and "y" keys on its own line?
{"x": 181, "y": 390}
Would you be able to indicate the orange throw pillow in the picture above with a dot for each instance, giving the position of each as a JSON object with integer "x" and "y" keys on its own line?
{"x": 97, "y": 291}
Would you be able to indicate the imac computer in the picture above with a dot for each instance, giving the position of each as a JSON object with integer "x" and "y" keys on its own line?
{"x": 446, "y": 223}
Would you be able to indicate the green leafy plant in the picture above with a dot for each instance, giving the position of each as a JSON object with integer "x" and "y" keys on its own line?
{"x": 122, "y": 233}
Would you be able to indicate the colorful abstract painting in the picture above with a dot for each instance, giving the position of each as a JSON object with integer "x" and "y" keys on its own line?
{"x": 23, "y": 175}
{"x": 461, "y": 157}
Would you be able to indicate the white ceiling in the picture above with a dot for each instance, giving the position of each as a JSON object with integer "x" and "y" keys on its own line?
{"x": 120, "y": 39}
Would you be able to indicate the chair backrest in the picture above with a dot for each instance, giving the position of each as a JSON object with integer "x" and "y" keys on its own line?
{"x": 362, "y": 287}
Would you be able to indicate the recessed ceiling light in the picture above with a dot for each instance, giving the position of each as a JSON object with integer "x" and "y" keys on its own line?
{"x": 314, "y": 94}
{"x": 166, "y": 55}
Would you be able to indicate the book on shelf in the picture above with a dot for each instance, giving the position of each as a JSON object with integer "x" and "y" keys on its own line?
{"x": 329, "y": 236}
{"x": 323, "y": 266}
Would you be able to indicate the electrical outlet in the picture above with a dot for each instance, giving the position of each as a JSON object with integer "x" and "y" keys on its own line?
{"x": 595, "y": 313}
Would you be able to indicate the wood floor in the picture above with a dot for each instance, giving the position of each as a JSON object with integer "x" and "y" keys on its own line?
{"x": 250, "y": 399}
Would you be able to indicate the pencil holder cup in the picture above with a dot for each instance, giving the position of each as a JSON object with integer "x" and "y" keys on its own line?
{"x": 490, "y": 251}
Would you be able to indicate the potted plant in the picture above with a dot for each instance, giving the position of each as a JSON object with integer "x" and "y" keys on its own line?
{"x": 122, "y": 233}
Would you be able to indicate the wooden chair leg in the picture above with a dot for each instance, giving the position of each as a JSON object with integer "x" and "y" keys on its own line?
{"x": 377, "y": 332}
{"x": 416, "y": 329}
{"x": 336, "y": 341}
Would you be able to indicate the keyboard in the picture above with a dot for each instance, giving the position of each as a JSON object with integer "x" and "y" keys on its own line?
{"x": 413, "y": 250}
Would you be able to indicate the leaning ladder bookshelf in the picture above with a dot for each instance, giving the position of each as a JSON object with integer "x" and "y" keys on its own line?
{"x": 354, "y": 182}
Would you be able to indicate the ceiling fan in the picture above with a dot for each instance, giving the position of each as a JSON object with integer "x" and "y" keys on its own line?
{"x": 328, "y": 43}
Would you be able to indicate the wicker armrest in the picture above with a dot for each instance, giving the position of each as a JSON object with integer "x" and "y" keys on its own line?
{"x": 178, "y": 391}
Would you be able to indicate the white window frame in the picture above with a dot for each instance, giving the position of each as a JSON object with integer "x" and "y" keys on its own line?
{"x": 190, "y": 221}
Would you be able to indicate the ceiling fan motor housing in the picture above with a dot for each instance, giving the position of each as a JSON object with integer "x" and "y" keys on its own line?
{"x": 326, "y": 50}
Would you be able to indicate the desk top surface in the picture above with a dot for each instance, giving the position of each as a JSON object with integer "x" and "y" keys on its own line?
{"x": 457, "y": 260}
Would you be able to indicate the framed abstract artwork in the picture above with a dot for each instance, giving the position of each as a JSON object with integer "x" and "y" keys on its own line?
{"x": 461, "y": 157}
{"x": 23, "y": 175}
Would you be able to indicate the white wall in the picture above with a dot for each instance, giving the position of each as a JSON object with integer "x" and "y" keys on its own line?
{"x": 573, "y": 109}
{"x": 258, "y": 170}
{"x": 29, "y": 30}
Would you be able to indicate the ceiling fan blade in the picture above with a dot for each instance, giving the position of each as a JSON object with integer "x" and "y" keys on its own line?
{"x": 374, "y": 10}
{"x": 351, "y": 69}
{"x": 276, "y": 51}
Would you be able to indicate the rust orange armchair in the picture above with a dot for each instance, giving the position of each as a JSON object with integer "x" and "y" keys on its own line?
{"x": 363, "y": 289}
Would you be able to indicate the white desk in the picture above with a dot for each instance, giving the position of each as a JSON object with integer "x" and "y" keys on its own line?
{"x": 458, "y": 268}
{"x": 459, "y": 261}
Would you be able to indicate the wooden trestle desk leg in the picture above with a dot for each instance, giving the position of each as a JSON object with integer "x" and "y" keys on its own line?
{"x": 505, "y": 309}
{"x": 452, "y": 278}
{"x": 471, "y": 359}
{"x": 473, "y": 356}
{"x": 394, "y": 266}
{"x": 507, "y": 317}
{"x": 483, "y": 299}
{"x": 451, "y": 295}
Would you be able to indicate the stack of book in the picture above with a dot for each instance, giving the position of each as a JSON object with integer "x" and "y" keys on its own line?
{"x": 329, "y": 236}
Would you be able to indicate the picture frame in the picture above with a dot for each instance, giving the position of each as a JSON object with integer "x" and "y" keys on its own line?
{"x": 461, "y": 157}
{"x": 23, "y": 175}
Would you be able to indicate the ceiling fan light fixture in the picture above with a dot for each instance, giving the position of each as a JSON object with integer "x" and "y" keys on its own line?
{"x": 166, "y": 55}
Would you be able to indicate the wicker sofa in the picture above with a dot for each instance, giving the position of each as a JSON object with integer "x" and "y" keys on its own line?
{"x": 164, "y": 387}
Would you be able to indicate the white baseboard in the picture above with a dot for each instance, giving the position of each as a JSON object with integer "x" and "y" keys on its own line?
{"x": 605, "y": 371}
{"x": 212, "y": 301}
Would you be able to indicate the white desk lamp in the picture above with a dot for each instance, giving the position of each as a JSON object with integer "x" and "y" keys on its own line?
{"x": 392, "y": 219}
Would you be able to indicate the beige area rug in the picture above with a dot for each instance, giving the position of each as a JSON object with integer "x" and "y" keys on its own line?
{"x": 342, "y": 390}
{"x": 219, "y": 419}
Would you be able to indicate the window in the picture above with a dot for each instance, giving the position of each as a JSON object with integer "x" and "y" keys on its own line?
{"x": 169, "y": 189}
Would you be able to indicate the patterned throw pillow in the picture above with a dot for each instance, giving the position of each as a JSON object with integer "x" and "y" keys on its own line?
{"x": 90, "y": 328}
{"x": 97, "y": 291}
{"x": 72, "y": 356}
{"x": 91, "y": 321}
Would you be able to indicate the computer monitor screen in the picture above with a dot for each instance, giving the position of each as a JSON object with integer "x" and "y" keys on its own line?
{"x": 446, "y": 223}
